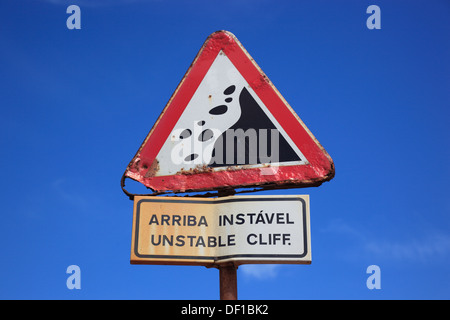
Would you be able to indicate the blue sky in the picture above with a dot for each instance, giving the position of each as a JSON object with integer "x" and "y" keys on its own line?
{"x": 76, "y": 105}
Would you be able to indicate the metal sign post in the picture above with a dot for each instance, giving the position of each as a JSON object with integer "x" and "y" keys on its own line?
{"x": 228, "y": 282}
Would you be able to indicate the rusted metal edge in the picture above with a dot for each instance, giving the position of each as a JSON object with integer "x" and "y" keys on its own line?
{"x": 285, "y": 184}
{"x": 227, "y": 191}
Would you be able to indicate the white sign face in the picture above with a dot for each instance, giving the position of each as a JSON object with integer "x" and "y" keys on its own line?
{"x": 241, "y": 229}
{"x": 215, "y": 109}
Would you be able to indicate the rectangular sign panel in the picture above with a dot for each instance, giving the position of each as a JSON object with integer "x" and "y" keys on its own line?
{"x": 213, "y": 231}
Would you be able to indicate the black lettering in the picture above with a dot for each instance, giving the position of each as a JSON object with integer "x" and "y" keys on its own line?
{"x": 269, "y": 220}
{"x": 248, "y": 239}
{"x": 228, "y": 219}
{"x": 288, "y": 221}
{"x": 153, "y": 240}
{"x": 165, "y": 218}
{"x": 251, "y": 215}
{"x": 167, "y": 240}
{"x": 261, "y": 240}
{"x": 153, "y": 220}
{"x": 259, "y": 219}
{"x": 200, "y": 242}
{"x": 276, "y": 237}
{"x": 280, "y": 218}
{"x": 180, "y": 241}
{"x": 212, "y": 242}
{"x": 202, "y": 221}
{"x": 286, "y": 238}
{"x": 192, "y": 221}
{"x": 176, "y": 219}
{"x": 220, "y": 242}
{"x": 231, "y": 240}
{"x": 240, "y": 218}
{"x": 191, "y": 238}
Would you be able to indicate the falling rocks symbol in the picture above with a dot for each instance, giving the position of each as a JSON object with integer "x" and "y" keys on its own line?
{"x": 253, "y": 118}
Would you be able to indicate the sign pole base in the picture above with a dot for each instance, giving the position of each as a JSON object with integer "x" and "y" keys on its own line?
{"x": 228, "y": 282}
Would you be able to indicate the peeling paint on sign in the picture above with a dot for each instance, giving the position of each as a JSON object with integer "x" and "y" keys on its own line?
{"x": 226, "y": 126}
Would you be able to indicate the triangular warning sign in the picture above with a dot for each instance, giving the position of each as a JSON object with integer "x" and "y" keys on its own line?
{"x": 227, "y": 126}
